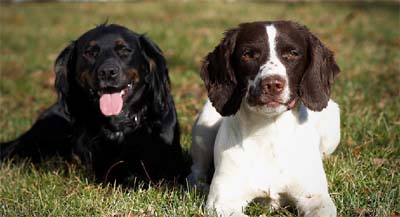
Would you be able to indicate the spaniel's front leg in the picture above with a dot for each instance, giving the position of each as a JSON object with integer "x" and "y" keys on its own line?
{"x": 224, "y": 205}
{"x": 315, "y": 205}
{"x": 328, "y": 126}
{"x": 229, "y": 195}
{"x": 202, "y": 150}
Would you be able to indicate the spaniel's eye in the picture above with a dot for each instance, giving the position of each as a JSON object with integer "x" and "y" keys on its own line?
{"x": 246, "y": 54}
{"x": 124, "y": 52}
{"x": 291, "y": 55}
{"x": 249, "y": 54}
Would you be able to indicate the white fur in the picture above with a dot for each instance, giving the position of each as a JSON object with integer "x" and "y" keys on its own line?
{"x": 266, "y": 152}
{"x": 274, "y": 157}
{"x": 204, "y": 132}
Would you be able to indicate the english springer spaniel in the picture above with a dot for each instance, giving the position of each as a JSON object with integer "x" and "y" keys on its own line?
{"x": 114, "y": 110}
{"x": 271, "y": 82}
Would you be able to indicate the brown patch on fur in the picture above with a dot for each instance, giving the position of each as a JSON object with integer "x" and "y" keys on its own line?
{"x": 119, "y": 42}
{"x": 133, "y": 75}
{"x": 85, "y": 79}
{"x": 92, "y": 43}
{"x": 317, "y": 81}
{"x": 152, "y": 65}
{"x": 225, "y": 89}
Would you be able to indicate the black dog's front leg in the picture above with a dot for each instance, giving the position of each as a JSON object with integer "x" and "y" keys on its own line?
{"x": 49, "y": 136}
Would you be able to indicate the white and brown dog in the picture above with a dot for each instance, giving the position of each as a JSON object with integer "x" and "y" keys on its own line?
{"x": 269, "y": 119}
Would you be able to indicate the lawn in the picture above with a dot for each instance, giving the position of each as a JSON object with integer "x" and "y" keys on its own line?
{"x": 363, "y": 173}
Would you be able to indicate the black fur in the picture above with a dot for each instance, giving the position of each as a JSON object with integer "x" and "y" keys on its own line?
{"x": 142, "y": 141}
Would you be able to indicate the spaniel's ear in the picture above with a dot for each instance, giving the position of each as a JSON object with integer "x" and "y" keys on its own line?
{"x": 157, "y": 78}
{"x": 63, "y": 67}
{"x": 225, "y": 90}
{"x": 317, "y": 81}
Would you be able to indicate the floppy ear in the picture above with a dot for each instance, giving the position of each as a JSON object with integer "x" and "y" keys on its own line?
{"x": 159, "y": 81}
{"x": 315, "y": 86}
{"x": 163, "y": 104}
{"x": 225, "y": 90}
{"x": 63, "y": 67}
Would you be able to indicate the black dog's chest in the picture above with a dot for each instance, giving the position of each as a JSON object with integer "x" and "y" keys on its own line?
{"x": 118, "y": 159}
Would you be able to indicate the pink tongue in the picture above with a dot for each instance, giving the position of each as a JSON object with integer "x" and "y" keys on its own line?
{"x": 111, "y": 104}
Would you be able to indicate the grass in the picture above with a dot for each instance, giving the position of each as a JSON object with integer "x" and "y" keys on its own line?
{"x": 363, "y": 174}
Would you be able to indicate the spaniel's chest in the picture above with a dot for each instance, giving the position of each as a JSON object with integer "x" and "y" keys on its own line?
{"x": 273, "y": 157}
{"x": 275, "y": 161}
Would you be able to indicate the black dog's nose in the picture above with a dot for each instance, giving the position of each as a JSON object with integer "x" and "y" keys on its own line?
{"x": 273, "y": 85}
{"x": 106, "y": 72}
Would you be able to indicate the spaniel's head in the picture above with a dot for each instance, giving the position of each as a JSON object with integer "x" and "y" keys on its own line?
{"x": 269, "y": 66}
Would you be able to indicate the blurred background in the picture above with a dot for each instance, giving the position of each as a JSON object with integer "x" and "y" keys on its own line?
{"x": 364, "y": 35}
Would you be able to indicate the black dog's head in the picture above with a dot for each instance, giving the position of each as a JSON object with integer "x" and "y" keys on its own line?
{"x": 112, "y": 74}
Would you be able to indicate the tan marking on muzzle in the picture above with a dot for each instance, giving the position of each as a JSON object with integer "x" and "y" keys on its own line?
{"x": 133, "y": 75}
{"x": 85, "y": 79}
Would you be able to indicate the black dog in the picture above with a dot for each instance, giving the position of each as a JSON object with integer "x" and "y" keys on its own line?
{"x": 114, "y": 110}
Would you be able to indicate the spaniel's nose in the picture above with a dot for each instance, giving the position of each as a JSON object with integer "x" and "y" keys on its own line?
{"x": 273, "y": 85}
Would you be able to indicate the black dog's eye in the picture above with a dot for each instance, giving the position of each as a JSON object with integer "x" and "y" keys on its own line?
{"x": 291, "y": 55}
{"x": 91, "y": 52}
{"x": 124, "y": 52}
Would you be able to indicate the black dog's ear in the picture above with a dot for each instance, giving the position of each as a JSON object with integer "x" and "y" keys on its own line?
{"x": 315, "y": 86}
{"x": 62, "y": 67}
{"x": 225, "y": 90}
{"x": 159, "y": 81}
